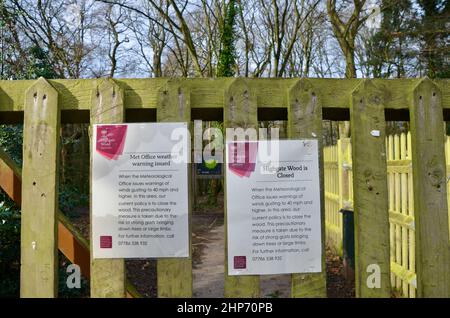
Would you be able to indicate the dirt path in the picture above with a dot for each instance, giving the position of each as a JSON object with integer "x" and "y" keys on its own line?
{"x": 208, "y": 271}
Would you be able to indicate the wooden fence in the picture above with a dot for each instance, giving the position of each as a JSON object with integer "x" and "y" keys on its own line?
{"x": 338, "y": 168}
{"x": 43, "y": 105}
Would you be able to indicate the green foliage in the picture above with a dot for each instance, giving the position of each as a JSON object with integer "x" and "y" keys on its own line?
{"x": 9, "y": 248}
{"x": 388, "y": 50}
{"x": 413, "y": 37}
{"x": 433, "y": 32}
{"x": 11, "y": 141}
{"x": 74, "y": 171}
{"x": 227, "y": 55}
{"x": 34, "y": 64}
{"x": 40, "y": 65}
{"x": 70, "y": 197}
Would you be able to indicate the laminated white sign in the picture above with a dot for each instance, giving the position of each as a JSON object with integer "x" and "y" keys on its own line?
{"x": 273, "y": 207}
{"x": 140, "y": 190}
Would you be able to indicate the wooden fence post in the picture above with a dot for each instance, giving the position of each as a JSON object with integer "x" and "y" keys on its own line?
{"x": 430, "y": 193}
{"x": 368, "y": 131}
{"x": 107, "y": 275}
{"x": 240, "y": 110}
{"x": 39, "y": 242}
{"x": 174, "y": 276}
{"x": 305, "y": 121}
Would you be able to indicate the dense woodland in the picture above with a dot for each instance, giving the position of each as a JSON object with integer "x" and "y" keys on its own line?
{"x": 73, "y": 39}
{"x": 255, "y": 38}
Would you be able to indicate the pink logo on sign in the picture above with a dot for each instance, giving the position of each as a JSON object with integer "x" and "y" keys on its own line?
{"x": 242, "y": 158}
{"x": 111, "y": 140}
{"x": 240, "y": 262}
{"x": 106, "y": 241}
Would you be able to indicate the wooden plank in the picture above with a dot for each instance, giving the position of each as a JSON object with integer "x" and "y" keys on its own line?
{"x": 405, "y": 275}
{"x": 333, "y": 228}
{"x": 73, "y": 245}
{"x": 174, "y": 275}
{"x": 305, "y": 121}
{"x": 10, "y": 179}
{"x": 332, "y": 197}
{"x": 370, "y": 190}
{"x": 411, "y": 233}
{"x": 447, "y": 161}
{"x": 328, "y": 166}
{"x": 343, "y": 144}
{"x": 399, "y": 163}
{"x": 400, "y": 169}
{"x": 404, "y": 212}
{"x": 401, "y": 219}
{"x": 398, "y": 243}
{"x": 107, "y": 275}
{"x": 430, "y": 193}
{"x": 39, "y": 257}
{"x": 239, "y": 111}
{"x": 208, "y": 93}
{"x": 391, "y": 192}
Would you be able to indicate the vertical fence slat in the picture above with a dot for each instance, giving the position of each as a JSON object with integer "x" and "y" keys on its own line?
{"x": 430, "y": 193}
{"x": 398, "y": 246}
{"x": 39, "y": 243}
{"x": 404, "y": 211}
{"x": 411, "y": 233}
{"x": 390, "y": 157}
{"x": 240, "y": 110}
{"x": 107, "y": 275}
{"x": 305, "y": 121}
{"x": 370, "y": 191}
{"x": 174, "y": 275}
{"x": 344, "y": 143}
{"x": 447, "y": 162}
